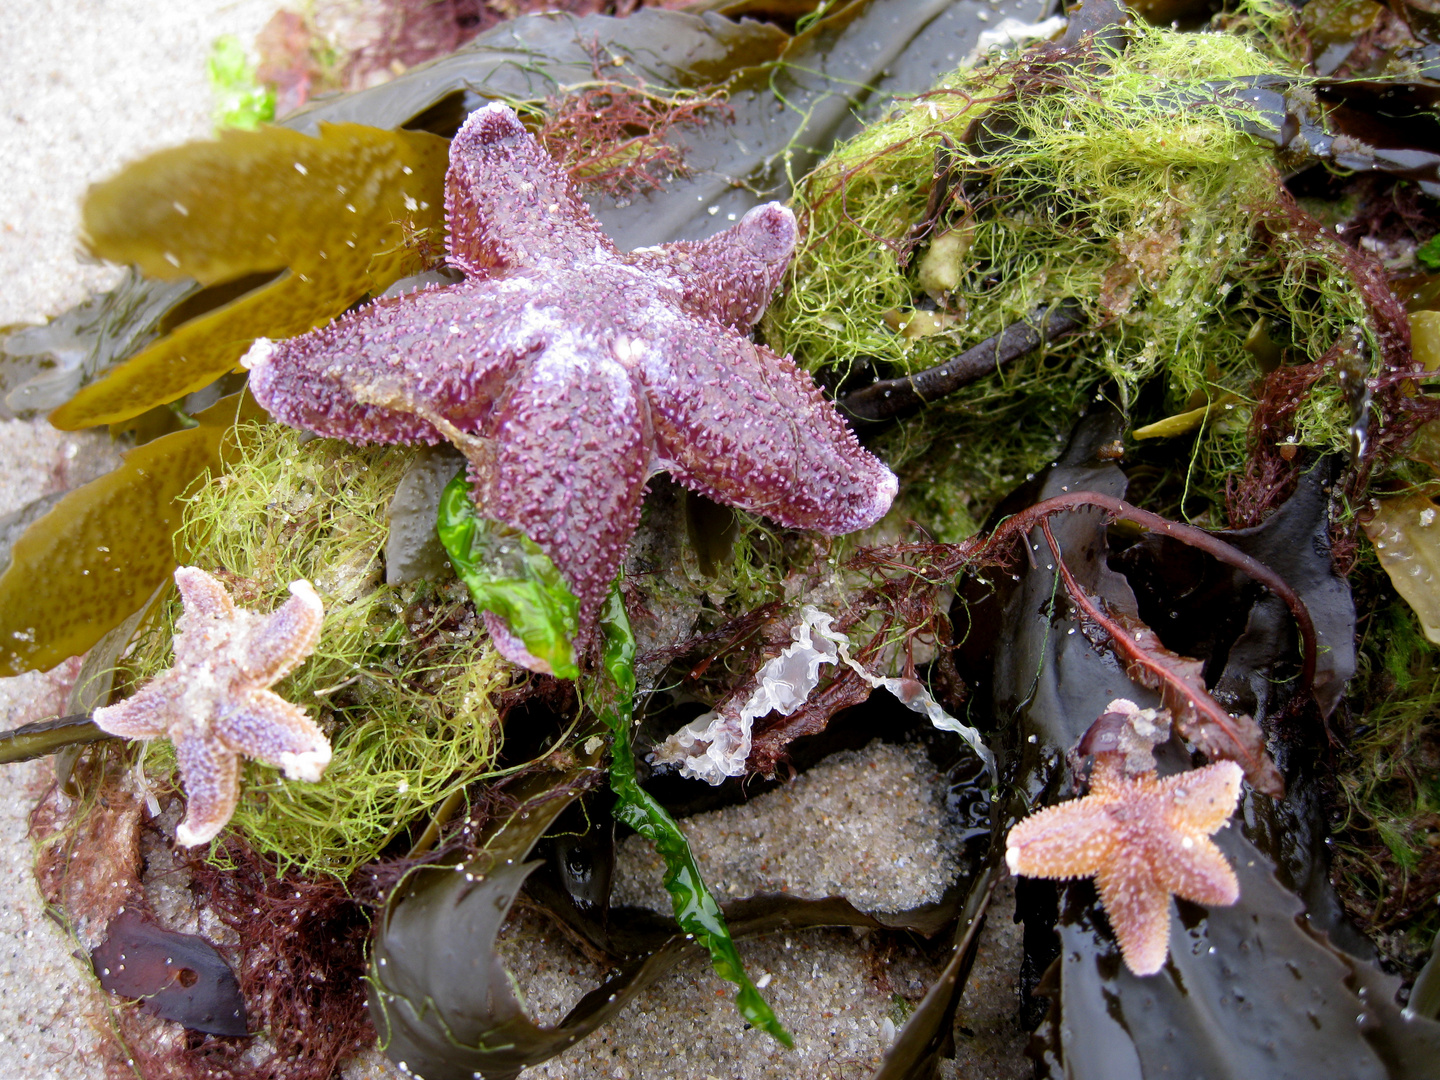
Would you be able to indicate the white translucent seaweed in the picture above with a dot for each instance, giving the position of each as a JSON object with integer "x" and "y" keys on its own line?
{"x": 714, "y": 746}
{"x": 1015, "y": 32}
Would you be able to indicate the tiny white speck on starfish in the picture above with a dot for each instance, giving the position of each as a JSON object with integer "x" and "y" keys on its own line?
{"x": 214, "y": 702}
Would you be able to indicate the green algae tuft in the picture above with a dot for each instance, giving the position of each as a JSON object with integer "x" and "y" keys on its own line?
{"x": 1124, "y": 183}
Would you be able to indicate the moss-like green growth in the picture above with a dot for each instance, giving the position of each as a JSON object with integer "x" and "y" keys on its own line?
{"x": 403, "y": 679}
{"x": 1124, "y": 184}
{"x": 1389, "y": 784}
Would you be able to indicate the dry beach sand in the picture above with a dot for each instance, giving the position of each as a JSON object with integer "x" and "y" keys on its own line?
{"x": 91, "y": 84}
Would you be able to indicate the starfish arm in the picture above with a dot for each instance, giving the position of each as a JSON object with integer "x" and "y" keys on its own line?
{"x": 568, "y": 467}
{"x": 264, "y": 726}
{"x": 202, "y": 596}
{"x": 145, "y": 714}
{"x": 210, "y": 774}
{"x": 1202, "y": 800}
{"x": 508, "y": 204}
{"x": 747, "y": 428}
{"x": 384, "y": 373}
{"x": 1071, "y": 840}
{"x": 283, "y": 639}
{"x": 1200, "y": 872}
{"x": 1138, "y": 908}
{"x": 730, "y": 276}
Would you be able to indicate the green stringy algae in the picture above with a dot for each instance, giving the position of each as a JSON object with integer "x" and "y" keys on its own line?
{"x": 403, "y": 678}
{"x": 509, "y": 575}
{"x": 1127, "y": 188}
{"x": 1387, "y": 798}
{"x": 695, "y": 908}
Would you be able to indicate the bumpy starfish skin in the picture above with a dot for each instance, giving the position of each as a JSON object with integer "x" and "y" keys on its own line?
{"x": 569, "y": 373}
{"x": 1142, "y": 839}
{"x": 213, "y": 702}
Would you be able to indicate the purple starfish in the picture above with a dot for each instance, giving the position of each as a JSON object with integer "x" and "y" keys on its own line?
{"x": 214, "y": 702}
{"x": 569, "y": 373}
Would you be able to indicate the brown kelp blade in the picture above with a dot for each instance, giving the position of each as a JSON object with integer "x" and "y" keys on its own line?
{"x": 103, "y": 549}
{"x": 340, "y": 215}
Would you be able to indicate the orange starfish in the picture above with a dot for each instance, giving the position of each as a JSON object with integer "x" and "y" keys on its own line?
{"x": 1142, "y": 839}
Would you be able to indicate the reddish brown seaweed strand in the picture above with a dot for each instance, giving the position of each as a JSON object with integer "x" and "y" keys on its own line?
{"x": 301, "y": 968}
{"x": 615, "y": 138}
{"x": 1148, "y": 669}
{"x": 1211, "y": 545}
{"x": 943, "y": 562}
{"x": 1395, "y": 411}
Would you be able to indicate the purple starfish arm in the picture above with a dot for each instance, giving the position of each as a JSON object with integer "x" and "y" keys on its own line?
{"x": 749, "y": 429}
{"x": 146, "y": 714}
{"x": 496, "y": 224}
{"x": 204, "y": 598}
{"x": 388, "y": 372}
{"x": 285, "y": 637}
{"x": 264, "y": 726}
{"x": 581, "y": 510}
{"x": 731, "y": 276}
{"x": 211, "y": 775}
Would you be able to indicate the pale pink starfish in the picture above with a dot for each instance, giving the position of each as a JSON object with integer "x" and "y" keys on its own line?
{"x": 214, "y": 702}
{"x": 1141, "y": 839}
{"x": 569, "y": 373}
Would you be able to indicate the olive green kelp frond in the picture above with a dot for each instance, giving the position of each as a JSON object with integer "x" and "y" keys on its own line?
{"x": 319, "y": 222}
{"x": 105, "y": 547}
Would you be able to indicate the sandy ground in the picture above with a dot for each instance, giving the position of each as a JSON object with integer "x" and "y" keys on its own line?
{"x": 87, "y": 85}
{"x": 91, "y": 84}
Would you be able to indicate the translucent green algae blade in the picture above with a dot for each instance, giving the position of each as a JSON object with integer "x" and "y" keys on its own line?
{"x": 695, "y": 908}
{"x": 96, "y": 557}
{"x": 337, "y": 217}
{"x": 1405, "y": 531}
{"x": 508, "y": 575}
